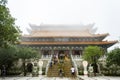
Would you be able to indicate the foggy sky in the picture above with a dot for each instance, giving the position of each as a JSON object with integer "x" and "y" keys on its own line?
{"x": 104, "y": 14}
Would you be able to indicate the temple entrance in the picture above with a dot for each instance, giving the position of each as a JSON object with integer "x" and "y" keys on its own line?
{"x": 61, "y": 54}
{"x": 46, "y": 53}
{"x": 95, "y": 68}
{"x": 77, "y": 53}
{"x": 29, "y": 67}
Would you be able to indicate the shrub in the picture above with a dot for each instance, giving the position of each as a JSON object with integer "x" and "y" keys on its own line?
{"x": 43, "y": 70}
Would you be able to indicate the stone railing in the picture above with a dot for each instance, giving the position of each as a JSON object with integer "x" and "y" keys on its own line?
{"x": 74, "y": 64}
{"x": 46, "y": 56}
{"x": 48, "y": 64}
{"x": 77, "y": 56}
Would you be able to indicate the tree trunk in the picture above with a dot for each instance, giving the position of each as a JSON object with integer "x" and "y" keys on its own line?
{"x": 99, "y": 70}
{"x": 24, "y": 70}
{"x": 116, "y": 70}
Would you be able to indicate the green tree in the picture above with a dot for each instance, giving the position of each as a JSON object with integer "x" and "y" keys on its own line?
{"x": 9, "y": 32}
{"x": 92, "y": 53}
{"x": 8, "y": 56}
{"x": 113, "y": 63}
{"x": 113, "y": 57}
{"x": 27, "y": 53}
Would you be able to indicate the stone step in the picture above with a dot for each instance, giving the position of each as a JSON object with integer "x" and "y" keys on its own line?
{"x": 66, "y": 66}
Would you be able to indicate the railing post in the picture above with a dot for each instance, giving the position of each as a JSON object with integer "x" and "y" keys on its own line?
{"x": 74, "y": 64}
{"x": 48, "y": 64}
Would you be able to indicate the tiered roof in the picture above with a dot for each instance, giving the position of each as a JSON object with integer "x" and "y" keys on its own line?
{"x": 84, "y": 33}
{"x": 63, "y": 31}
{"x": 69, "y": 43}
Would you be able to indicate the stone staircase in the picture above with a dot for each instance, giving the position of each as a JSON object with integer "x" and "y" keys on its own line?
{"x": 53, "y": 71}
{"x": 65, "y": 66}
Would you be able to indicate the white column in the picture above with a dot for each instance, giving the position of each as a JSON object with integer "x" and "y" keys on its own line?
{"x": 85, "y": 63}
{"x": 40, "y": 63}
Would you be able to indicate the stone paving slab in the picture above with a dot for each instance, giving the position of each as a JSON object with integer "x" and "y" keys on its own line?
{"x": 58, "y": 78}
{"x": 107, "y": 78}
{"x": 99, "y": 78}
{"x": 36, "y": 78}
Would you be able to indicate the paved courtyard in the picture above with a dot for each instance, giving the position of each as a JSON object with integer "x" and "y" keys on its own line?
{"x": 35, "y": 78}
{"x": 58, "y": 78}
{"x": 100, "y": 78}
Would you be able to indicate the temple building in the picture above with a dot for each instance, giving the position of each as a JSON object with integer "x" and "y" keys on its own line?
{"x": 68, "y": 40}
{"x": 52, "y": 39}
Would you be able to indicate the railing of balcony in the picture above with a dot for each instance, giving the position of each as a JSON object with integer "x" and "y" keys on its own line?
{"x": 77, "y": 57}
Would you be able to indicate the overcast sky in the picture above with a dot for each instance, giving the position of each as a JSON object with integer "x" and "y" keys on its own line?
{"x": 104, "y": 13}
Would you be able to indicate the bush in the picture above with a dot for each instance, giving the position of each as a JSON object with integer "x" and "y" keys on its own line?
{"x": 80, "y": 71}
{"x": 111, "y": 71}
{"x": 14, "y": 71}
{"x": 43, "y": 70}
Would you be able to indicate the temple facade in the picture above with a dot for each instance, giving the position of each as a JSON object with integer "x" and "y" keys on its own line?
{"x": 63, "y": 44}
{"x": 67, "y": 39}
